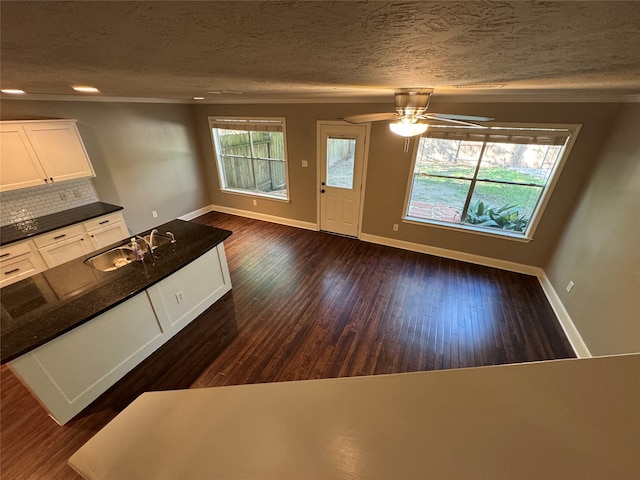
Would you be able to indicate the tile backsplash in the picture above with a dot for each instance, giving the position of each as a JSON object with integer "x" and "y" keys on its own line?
{"x": 46, "y": 199}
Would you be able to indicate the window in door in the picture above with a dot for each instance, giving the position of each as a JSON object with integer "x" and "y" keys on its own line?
{"x": 251, "y": 155}
{"x": 495, "y": 180}
{"x": 341, "y": 154}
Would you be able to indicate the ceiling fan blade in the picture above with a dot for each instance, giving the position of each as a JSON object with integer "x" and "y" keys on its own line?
{"x": 370, "y": 117}
{"x": 450, "y": 120}
{"x": 464, "y": 118}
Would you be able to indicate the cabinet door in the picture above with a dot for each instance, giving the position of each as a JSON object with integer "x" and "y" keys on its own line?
{"x": 61, "y": 252}
{"x": 107, "y": 235}
{"x": 20, "y": 167}
{"x": 60, "y": 150}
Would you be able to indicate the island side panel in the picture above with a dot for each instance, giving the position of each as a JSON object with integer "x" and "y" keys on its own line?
{"x": 71, "y": 371}
{"x": 180, "y": 298}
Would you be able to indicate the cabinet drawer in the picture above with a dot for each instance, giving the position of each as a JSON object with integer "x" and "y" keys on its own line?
{"x": 58, "y": 235}
{"x": 103, "y": 221}
{"x": 10, "y": 252}
{"x": 20, "y": 267}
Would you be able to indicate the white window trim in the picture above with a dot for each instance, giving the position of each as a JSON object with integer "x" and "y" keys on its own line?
{"x": 246, "y": 193}
{"x": 536, "y": 215}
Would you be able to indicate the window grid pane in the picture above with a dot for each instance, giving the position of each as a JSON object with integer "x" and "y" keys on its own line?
{"x": 252, "y": 161}
{"x": 502, "y": 181}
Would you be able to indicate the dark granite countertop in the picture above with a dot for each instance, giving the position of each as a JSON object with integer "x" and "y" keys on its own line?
{"x": 40, "y": 308}
{"x": 47, "y": 223}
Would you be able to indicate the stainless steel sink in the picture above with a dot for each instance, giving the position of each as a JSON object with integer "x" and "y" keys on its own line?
{"x": 158, "y": 241}
{"x": 120, "y": 256}
{"x": 112, "y": 259}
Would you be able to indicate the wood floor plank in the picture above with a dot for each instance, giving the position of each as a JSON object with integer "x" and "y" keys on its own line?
{"x": 308, "y": 305}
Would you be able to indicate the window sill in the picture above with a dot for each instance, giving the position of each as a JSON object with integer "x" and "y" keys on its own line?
{"x": 255, "y": 195}
{"x": 501, "y": 234}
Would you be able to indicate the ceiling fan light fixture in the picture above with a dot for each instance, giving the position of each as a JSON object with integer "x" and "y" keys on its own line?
{"x": 408, "y": 129}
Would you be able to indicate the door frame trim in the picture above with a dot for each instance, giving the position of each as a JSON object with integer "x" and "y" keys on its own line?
{"x": 367, "y": 138}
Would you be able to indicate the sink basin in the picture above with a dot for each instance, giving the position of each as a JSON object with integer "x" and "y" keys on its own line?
{"x": 158, "y": 241}
{"x": 112, "y": 259}
{"x": 123, "y": 255}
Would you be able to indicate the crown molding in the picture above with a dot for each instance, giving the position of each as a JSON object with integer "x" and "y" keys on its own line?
{"x": 537, "y": 96}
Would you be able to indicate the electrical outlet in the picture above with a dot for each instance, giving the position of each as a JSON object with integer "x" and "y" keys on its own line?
{"x": 305, "y": 163}
{"x": 395, "y": 227}
{"x": 570, "y": 286}
{"x": 180, "y": 297}
{"x": 154, "y": 214}
{"x": 255, "y": 203}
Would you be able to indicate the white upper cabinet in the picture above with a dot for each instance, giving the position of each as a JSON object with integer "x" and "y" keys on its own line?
{"x": 19, "y": 165}
{"x": 38, "y": 152}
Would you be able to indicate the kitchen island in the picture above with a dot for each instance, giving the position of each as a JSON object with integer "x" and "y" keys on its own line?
{"x": 71, "y": 332}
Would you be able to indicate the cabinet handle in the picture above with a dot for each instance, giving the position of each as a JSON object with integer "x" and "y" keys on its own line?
{"x": 12, "y": 271}
{"x": 5, "y": 255}
{"x": 60, "y": 236}
{"x": 51, "y": 178}
{"x": 103, "y": 222}
{"x": 46, "y": 180}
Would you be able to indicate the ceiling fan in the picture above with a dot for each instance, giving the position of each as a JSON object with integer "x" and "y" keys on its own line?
{"x": 411, "y": 113}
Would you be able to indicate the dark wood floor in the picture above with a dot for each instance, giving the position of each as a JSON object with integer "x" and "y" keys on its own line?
{"x": 308, "y": 305}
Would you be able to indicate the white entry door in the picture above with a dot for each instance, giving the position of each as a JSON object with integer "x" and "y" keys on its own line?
{"x": 341, "y": 151}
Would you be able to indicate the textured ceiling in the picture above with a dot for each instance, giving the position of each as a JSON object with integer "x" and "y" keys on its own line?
{"x": 313, "y": 50}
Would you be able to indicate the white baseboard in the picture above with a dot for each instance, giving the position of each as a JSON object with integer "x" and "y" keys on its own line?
{"x": 452, "y": 254}
{"x": 196, "y": 213}
{"x": 570, "y": 330}
{"x": 264, "y": 217}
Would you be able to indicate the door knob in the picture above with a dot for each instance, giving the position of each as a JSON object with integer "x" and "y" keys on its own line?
{"x": 322, "y": 191}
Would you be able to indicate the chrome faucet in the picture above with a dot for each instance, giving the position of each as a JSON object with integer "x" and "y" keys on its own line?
{"x": 149, "y": 243}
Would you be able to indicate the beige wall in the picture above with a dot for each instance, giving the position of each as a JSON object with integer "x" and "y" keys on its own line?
{"x": 388, "y": 171}
{"x": 600, "y": 248}
{"x": 159, "y": 157}
{"x": 145, "y": 155}
{"x": 301, "y": 124}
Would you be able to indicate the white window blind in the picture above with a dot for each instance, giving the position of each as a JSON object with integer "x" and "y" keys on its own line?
{"x": 502, "y": 135}
{"x": 247, "y": 125}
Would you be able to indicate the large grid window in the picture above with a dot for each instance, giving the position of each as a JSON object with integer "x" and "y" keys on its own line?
{"x": 251, "y": 155}
{"x": 491, "y": 179}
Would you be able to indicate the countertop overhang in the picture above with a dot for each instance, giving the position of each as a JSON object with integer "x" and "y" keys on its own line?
{"x": 45, "y": 306}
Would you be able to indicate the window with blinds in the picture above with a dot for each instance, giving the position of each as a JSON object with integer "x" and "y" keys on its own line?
{"x": 493, "y": 179}
{"x": 251, "y": 155}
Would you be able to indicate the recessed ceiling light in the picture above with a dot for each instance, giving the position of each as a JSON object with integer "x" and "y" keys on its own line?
{"x": 225, "y": 92}
{"x": 198, "y": 98}
{"x": 13, "y": 91}
{"x": 85, "y": 89}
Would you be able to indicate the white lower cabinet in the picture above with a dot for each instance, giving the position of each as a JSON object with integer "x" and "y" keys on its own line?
{"x": 71, "y": 371}
{"x": 103, "y": 231}
{"x": 18, "y": 261}
{"x": 62, "y": 245}
{"x": 65, "y": 250}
